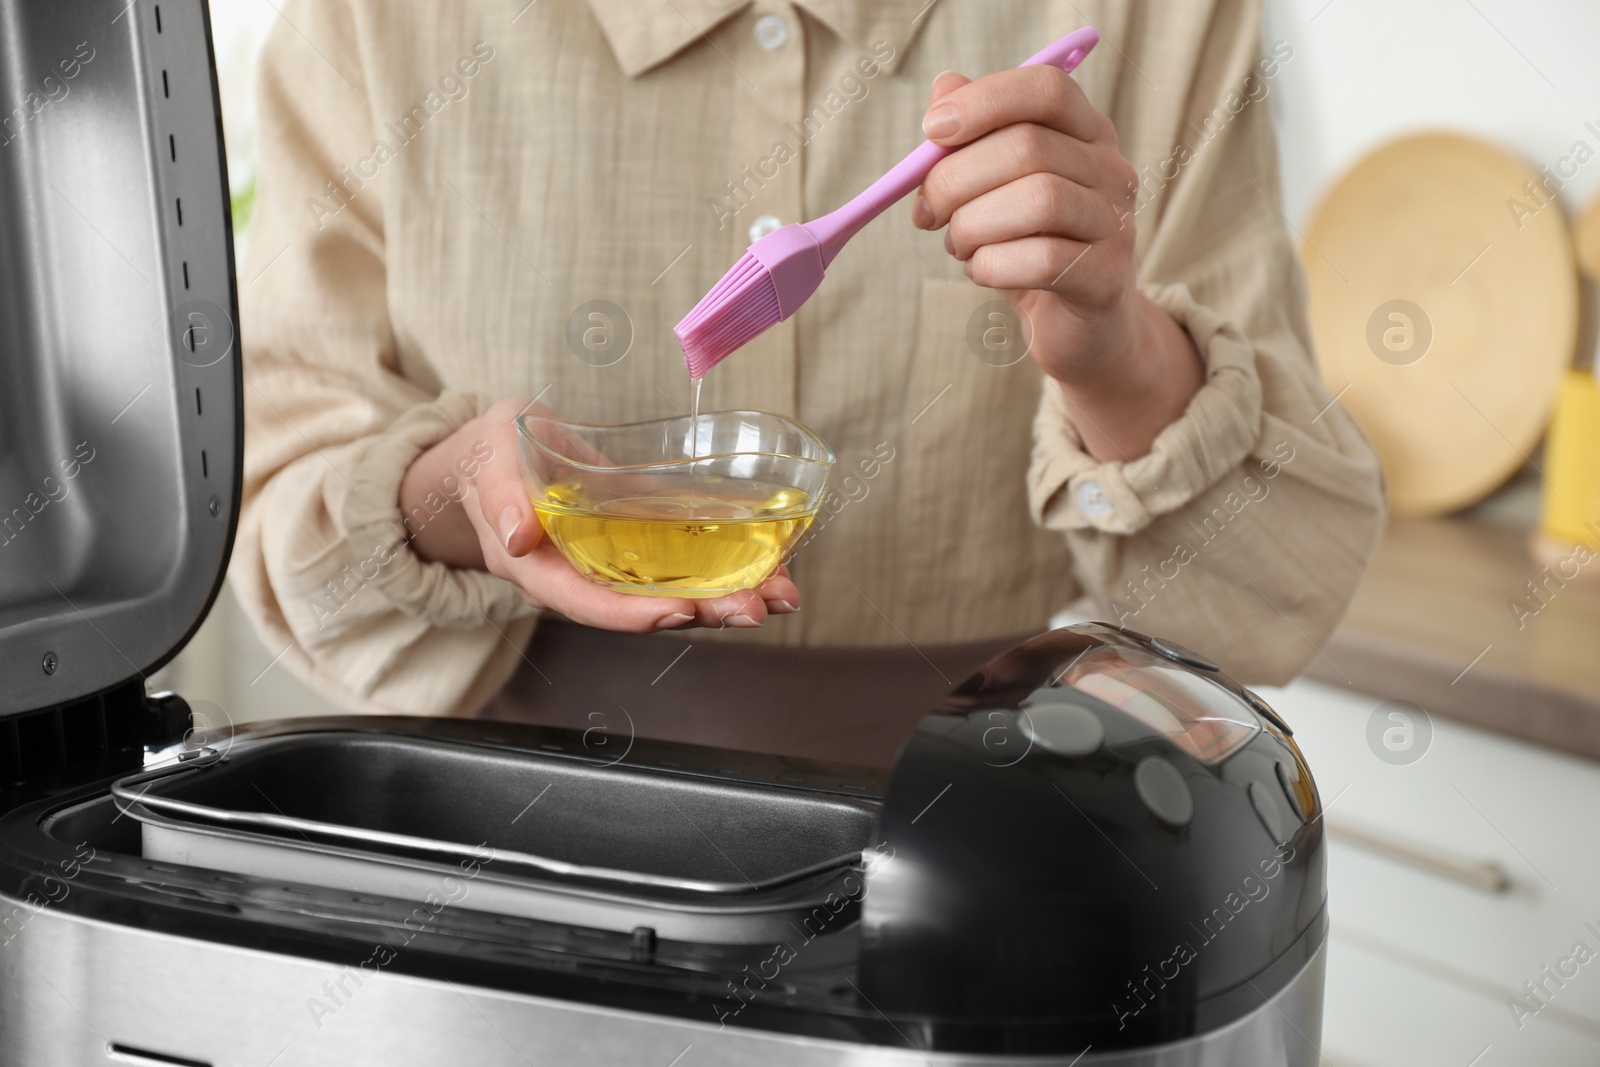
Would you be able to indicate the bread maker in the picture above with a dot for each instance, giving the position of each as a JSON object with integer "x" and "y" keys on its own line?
{"x": 1098, "y": 850}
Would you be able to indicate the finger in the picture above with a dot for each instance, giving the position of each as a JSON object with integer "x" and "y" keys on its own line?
{"x": 1055, "y": 263}
{"x": 1037, "y": 204}
{"x": 779, "y": 593}
{"x": 947, "y": 83}
{"x": 1001, "y": 158}
{"x": 502, "y": 508}
{"x": 743, "y": 609}
{"x": 943, "y": 85}
{"x": 1039, "y": 94}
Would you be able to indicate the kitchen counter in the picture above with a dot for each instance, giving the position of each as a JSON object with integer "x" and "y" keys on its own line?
{"x": 1433, "y": 623}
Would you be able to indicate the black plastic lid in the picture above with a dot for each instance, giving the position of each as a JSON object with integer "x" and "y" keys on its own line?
{"x": 1095, "y": 838}
{"x": 120, "y": 412}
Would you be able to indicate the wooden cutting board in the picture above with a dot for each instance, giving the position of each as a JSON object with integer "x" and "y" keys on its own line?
{"x": 1444, "y": 307}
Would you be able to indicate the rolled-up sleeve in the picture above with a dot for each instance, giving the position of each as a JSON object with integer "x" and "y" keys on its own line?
{"x": 335, "y": 415}
{"x": 1245, "y": 529}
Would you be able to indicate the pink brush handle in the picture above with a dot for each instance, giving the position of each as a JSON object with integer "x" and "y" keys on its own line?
{"x": 834, "y": 230}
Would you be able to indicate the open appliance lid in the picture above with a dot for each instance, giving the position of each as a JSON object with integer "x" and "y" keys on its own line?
{"x": 120, "y": 407}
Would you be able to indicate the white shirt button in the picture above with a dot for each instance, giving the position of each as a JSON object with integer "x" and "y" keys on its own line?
{"x": 771, "y": 32}
{"x": 1092, "y": 500}
{"x": 763, "y": 226}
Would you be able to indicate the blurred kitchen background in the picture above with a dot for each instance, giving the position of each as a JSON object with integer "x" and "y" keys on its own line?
{"x": 1454, "y": 734}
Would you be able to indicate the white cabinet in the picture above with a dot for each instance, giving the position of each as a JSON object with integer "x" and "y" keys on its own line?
{"x": 1423, "y": 966}
{"x": 1385, "y": 1014}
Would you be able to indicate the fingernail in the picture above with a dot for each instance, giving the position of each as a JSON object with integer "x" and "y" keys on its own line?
{"x": 782, "y": 607}
{"x": 673, "y": 621}
{"x": 942, "y": 121}
{"x": 941, "y": 74}
{"x": 921, "y": 213}
{"x": 510, "y": 521}
{"x": 740, "y": 620}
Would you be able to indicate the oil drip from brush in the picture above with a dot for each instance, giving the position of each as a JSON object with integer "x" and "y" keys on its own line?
{"x": 694, "y": 436}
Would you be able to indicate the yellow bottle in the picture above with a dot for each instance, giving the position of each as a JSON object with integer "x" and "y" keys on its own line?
{"x": 1572, "y": 490}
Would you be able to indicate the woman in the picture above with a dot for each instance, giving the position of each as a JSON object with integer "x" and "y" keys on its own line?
{"x": 468, "y": 208}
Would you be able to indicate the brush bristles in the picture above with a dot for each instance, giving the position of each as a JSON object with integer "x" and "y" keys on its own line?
{"x": 742, "y": 307}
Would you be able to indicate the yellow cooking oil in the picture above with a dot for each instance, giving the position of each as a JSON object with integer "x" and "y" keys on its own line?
{"x": 721, "y": 536}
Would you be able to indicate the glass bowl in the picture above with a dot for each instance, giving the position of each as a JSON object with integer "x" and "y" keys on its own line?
{"x": 688, "y": 507}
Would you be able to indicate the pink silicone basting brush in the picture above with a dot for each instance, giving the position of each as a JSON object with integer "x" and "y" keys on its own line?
{"x": 783, "y": 269}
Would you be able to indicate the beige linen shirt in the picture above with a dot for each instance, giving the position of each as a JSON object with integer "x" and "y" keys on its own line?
{"x": 447, "y": 189}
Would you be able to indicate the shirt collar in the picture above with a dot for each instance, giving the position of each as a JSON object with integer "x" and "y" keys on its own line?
{"x": 646, "y": 33}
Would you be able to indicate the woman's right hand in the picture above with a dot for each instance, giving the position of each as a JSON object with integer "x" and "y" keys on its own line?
{"x": 489, "y": 524}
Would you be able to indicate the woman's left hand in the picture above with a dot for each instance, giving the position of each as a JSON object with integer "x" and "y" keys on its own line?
{"x": 1040, "y": 205}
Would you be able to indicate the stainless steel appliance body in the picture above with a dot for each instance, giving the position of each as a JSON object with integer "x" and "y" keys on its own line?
{"x": 78, "y": 989}
{"x": 1098, "y": 850}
